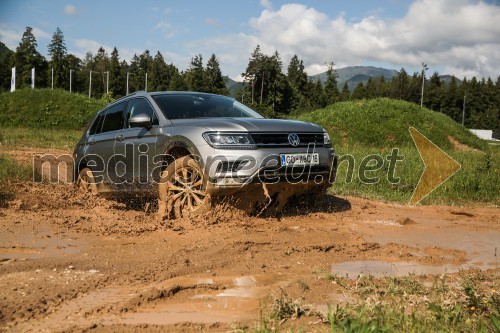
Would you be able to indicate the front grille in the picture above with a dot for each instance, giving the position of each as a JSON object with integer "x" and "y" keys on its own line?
{"x": 274, "y": 140}
{"x": 232, "y": 166}
{"x": 293, "y": 174}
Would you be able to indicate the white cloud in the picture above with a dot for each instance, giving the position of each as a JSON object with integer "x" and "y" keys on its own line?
{"x": 11, "y": 37}
{"x": 211, "y": 22}
{"x": 456, "y": 36}
{"x": 87, "y": 45}
{"x": 70, "y": 9}
{"x": 266, "y": 4}
{"x": 168, "y": 30}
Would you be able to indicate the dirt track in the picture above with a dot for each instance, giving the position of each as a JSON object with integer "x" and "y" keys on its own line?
{"x": 70, "y": 262}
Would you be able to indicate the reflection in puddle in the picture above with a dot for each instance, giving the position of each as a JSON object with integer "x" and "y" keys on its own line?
{"x": 353, "y": 269}
{"x": 237, "y": 304}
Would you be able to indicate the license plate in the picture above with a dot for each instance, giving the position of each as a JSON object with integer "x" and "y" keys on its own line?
{"x": 299, "y": 159}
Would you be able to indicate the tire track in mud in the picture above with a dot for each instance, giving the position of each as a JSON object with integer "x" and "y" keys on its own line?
{"x": 125, "y": 258}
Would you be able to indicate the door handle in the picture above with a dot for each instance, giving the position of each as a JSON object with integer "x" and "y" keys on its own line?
{"x": 91, "y": 142}
{"x": 120, "y": 138}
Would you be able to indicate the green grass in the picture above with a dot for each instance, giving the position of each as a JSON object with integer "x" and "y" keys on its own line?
{"x": 18, "y": 137}
{"x": 465, "y": 302}
{"x": 45, "y": 108}
{"x": 11, "y": 171}
{"x": 364, "y": 128}
{"x": 43, "y": 118}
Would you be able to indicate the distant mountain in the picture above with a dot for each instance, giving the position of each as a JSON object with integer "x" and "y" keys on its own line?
{"x": 233, "y": 86}
{"x": 353, "y": 75}
{"x": 5, "y": 49}
{"x": 447, "y": 79}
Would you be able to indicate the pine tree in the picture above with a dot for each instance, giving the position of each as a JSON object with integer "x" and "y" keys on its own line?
{"x": 195, "y": 75}
{"x": 145, "y": 66}
{"x": 116, "y": 86}
{"x": 26, "y": 58}
{"x": 100, "y": 83}
{"x": 213, "y": 77}
{"x": 331, "y": 88}
{"x": 359, "y": 92}
{"x": 253, "y": 73}
{"x": 297, "y": 78}
{"x": 346, "y": 94}
{"x": 74, "y": 65}
{"x": 58, "y": 64}
{"x": 296, "y": 74}
{"x": 157, "y": 78}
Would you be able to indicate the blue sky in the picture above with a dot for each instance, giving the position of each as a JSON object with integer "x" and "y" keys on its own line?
{"x": 460, "y": 37}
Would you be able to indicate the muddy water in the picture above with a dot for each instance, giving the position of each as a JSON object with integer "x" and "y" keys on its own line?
{"x": 239, "y": 302}
{"x": 476, "y": 236}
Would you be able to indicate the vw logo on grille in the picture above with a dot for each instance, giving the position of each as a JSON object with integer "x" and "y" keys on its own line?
{"x": 294, "y": 139}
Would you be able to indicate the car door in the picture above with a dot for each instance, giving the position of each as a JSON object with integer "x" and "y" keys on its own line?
{"x": 137, "y": 146}
{"x": 100, "y": 146}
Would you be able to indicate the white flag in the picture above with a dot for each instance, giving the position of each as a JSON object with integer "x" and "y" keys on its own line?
{"x": 13, "y": 80}
{"x": 33, "y": 78}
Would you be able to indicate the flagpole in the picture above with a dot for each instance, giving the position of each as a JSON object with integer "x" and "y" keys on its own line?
{"x": 13, "y": 80}
{"x": 33, "y": 78}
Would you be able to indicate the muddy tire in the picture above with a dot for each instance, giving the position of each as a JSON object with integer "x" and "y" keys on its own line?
{"x": 86, "y": 182}
{"x": 182, "y": 190}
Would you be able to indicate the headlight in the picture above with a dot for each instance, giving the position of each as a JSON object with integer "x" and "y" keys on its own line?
{"x": 326, "y": 140}
{"x": 230, "y": 140}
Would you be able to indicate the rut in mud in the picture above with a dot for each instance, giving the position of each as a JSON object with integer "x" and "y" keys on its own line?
{"x": 71, "y": 261}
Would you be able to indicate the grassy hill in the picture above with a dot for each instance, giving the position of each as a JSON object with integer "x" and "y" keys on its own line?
{"x": 358, "y": 129}
{"x": 363, "y": 129}
{"x": 46, "y": 108}
{"x": 384, "y": 122}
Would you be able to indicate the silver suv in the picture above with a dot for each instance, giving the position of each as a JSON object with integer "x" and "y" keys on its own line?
{"x": 189, "y": 148}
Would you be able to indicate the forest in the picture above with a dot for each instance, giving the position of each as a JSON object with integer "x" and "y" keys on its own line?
{"x": 267, "y": 86}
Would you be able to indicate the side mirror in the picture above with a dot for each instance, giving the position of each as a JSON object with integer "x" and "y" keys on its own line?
{"x": 140, "y": 120}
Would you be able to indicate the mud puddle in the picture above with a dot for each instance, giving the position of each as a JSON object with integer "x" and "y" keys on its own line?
{"x": 378, "y": 268}
{"x": 240, "y": 300}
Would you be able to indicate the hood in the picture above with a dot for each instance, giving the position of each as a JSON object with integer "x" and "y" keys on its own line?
{"x": 249, "y": 124}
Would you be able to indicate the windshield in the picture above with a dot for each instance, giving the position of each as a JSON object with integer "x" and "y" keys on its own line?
{"x": 187, "y": 106}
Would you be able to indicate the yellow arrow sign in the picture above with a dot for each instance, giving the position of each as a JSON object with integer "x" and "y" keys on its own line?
{"x": 439, "y": 166}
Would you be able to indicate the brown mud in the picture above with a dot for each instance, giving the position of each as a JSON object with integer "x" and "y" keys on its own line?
{"x": 76, "y": 262}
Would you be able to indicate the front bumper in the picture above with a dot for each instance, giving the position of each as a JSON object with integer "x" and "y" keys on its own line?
{"x": 230, "y": 171}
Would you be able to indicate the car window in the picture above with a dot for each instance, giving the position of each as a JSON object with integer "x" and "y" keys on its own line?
{"x": 113, "y": 119}
{"x": 97, "y": 124}
{"x": 137, "y": 106}
{"x": 187, "y": 106}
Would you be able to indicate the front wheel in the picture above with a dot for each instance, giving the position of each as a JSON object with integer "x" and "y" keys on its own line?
{"x": 86, "y": 182}
{"x": 182, "y": 189}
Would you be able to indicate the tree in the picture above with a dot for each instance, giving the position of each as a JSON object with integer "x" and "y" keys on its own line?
{"x": 145, "y": 66}
{"x": 6, "y": 63}
{"x": 346, "y": 94}
{"x": 195, "y": 74}
{"x": 213, "y": 77}
{"x": 401, "y": 85}
{"x": 296, "y": 74}
{"x": 252, "y": 75}
{"x": 75, "y": 65}
{"x": 297, "y": 78}
{"x": 331, "y": 88}
{"x": 116, "y": 82}
{"x": 433, "y": 93}
{"x": 359, "y": 92}
{"x": 58, "y": 62}
{"x": 101, "y": 66}
{"x": 159, "y": 79}
{"x": 26, "y": 58}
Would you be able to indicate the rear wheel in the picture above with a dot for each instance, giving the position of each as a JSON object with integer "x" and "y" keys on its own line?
{"x": 182, "y": 189}
{"x": 86, "y": 182}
